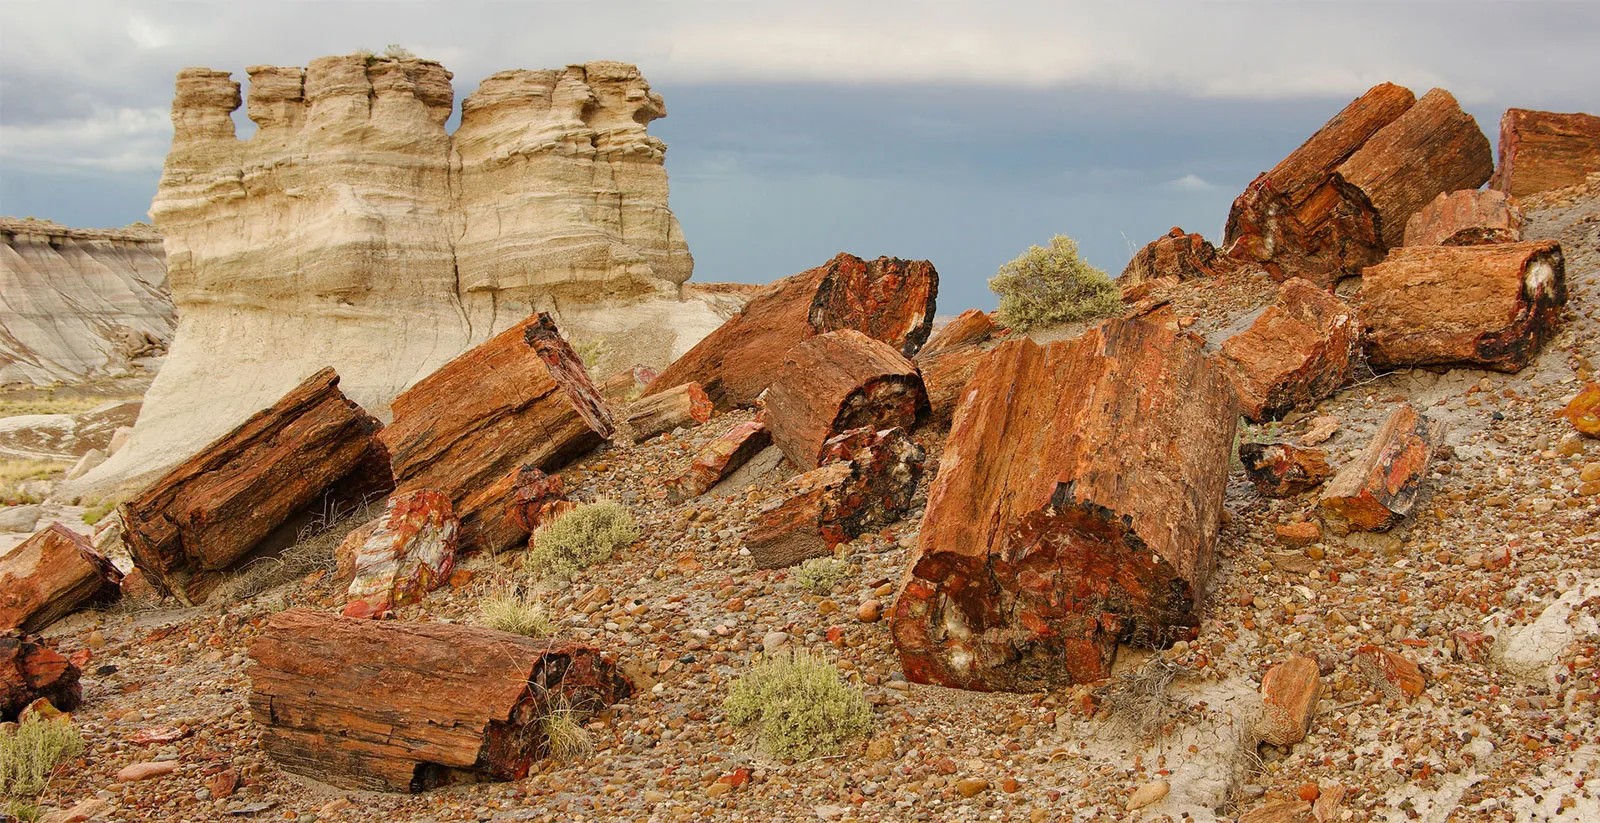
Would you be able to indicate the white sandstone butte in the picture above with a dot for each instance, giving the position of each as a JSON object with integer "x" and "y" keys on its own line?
{"x": 353, "y": 231}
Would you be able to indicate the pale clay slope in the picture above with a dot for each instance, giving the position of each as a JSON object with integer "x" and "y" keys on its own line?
{"x": 351, "y": 230}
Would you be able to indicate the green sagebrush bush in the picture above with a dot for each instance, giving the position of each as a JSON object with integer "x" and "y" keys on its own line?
{"x": 1046, "y": 286}
{"x": 798, "y": 706}
{"x": 580, "y": 538}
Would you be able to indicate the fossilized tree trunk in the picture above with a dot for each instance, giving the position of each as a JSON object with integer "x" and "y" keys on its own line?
{"x": 391, "y": 706}
{"x": 1302, "y": 349}
{"x": 839, "y": 381}
{"x": 1077, "y": 505}
{"x": 1377, "y": 489}
{"x": 950, "y": 359}
{"x": 1466, "y": 218}
{"x": 1180, "y": 255}
{"x": 29, "y": 670}
{"x": 720, "y": 458}
{"x": 1541, "y": 150}
{"x": 685, "y": 405}
{"x": 47, "y": 576}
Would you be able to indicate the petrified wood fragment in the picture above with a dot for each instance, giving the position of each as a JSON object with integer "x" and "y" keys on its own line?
{"x": 1377, "y": 489}
{"x": 216, "y": 508}
{"x": 538, "y": 498}
{"x": 1282, "y": 470}
{"x": 522, "y": 398}
{"x": 52, "y": 573}
{"x": 720, "y": 458}
{"x": 1541, "y": 150}
{"x": 839, "y": 381}
{"x": 887, "y": 299}
{"x": 685, "y": 405}
{"x": 1300, "y": 350}
{"x": 409, "y": 553}
{"x": 1077, "y": 506}
{"x": 29, "y": 670}
{"x": 1491, "y": 306}
{"x": 392, "y": 706}
{"x": 1289, "y": 694}
{"x": 1469, "y": 217}
{"x": 1584, "y": 411}
{"x": 951, "y": 357}
{"x": 1176, "y": 254}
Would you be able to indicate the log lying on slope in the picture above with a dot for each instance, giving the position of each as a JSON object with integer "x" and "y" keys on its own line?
{"x": 1492, "y": 306}
{"x": 950, "y": 359}
{"x": 1077, "y": 506}
{"x": 1302, "y": 349}
{"x": 522, "y": 398}
{"x": 659, "y": 413}
{"x": 1466, "y": 218}
{"x": 1542, "y": 150}
{"x": 720, "y": 458}
{"x": 887, "y": 299}
{"x": 391, "y": 706}
{"x": 836, "y": 382}
{"x": 1377, "y": 489}
{"x": 216, "y": 508}
{"x": 51, "y": 574}
{"x": 29, "y": 670}
{"x": 1180, "y": 255}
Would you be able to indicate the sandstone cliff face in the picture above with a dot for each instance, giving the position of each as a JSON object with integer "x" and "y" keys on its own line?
{"x": 353, "y": 230}
{"x": 77, "y": 303}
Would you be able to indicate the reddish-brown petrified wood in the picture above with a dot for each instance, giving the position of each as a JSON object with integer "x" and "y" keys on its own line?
{"x": 1470, "y": 217}
{"x": 1300, "y": 350}
{"x": 538, "y": 498}
{"x": 216, "y": 508}
{"x": 392, "y": 706}
{"x": 950, "y": 359}
{"x": 839, "y": 381}
{"x": 1282, "y": 470}
{"x": 1077, "y": 506}
{"x": 47, "y": 576}
{"x": 659, "y": 413}
{"x": 1377, "y": 489}
{"x": 720, "y": 458}
{"x": 408, "y": 552}
{"x": 29, "y": 670}
{"x": 1180, "y": 255}
{"x": 1542, "y": 150}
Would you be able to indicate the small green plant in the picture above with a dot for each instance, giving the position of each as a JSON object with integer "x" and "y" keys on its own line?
{"x": 592, "y": 352}
{"x": 820, "y": 574}
{"x": 508, "y": 611}
{"x": 563, "y": 729}
{"x": 31, "y": 753}
{"x": 798, "y": 706}
{"x": 1046, "y": 286}
{"x": 580, "y": 538}
{"x": 19, "y": 810}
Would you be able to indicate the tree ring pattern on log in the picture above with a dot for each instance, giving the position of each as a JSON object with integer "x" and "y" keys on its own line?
{"x": 1544, "y": 291}
{"x": 858, "y": 294}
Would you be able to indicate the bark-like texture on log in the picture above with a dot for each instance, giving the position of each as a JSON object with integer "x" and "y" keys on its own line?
{"x": 1377, "y": 489}
{"x": 1180, "y": 255}
{"x": 1433, "y": 147}
{"x": 1542, "y": 150}
{"x": 30, "y": 670}
{"x": 391, "y": 706}
{"x": 1077, "y": 505}
{"x": 1283, "y": 470}
{"x": 1300, "y": 350}
{"x": 887, "y": 299}
{"x": 839, "y": 381}
{"x": 49, "y": 575}
{"x": 950, "y": 359}
{"x": 1289, "y": 694}
{"x": 522, "y": 398}
{"x": 213, "y": 510}
{"x": 1469, "y": 217}
{"x": 409, "y": 553}
{"x": 659, "y": 413}
{"x": 720, "y": 458}
{"x": 1492, "y": 306}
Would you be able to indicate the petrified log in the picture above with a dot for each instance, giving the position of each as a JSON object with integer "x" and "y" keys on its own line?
{"x": 968, "y": 328}
{"x": 685, "y": 405}
{"x": 29, "y": 670}
{"x": 1490, "y": 306}
{"x": 950, "y": 358}
{"x": 1180, "y": 255}
{"x": 52, "y": 573}
{"x": 1433, "y": 147}
{"x": 393, "y": 706}
{"x": 1282, "y": 470}
{"x": 868, "y": 483}
{"x": 1469, "y": 217}
{"x": 626, "y": 386}
{"x": 1541, "y": 150}
{"x": 1077, "y": 505}
{"x": 887, "y": 299}
{"x": 409, "y": 553}
{"x": 522, "y": 398}
{"x": 720, "y": 458}
{"x": 538, "y": 498}
{"x": 215, "y": 509}
{"x": 839, "y": 381}
{"x": 1377, "y": 489}
{"x": 1300, "y": 350}
{"x": 1289, "y": 694}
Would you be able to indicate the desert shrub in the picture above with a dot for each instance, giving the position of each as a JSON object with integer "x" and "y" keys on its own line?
{"x": 563, "y": 729}
{"x": 593, "y": 353}
{"x": 580, "y": 538}
{"x": 32, "y": 752}
{"x": 798, "y": 706}
{"x": 820, "y": 574}
{"x": 508, "y": 611}
{"x": 1046, "y": 286}
{"x": 395, "y": 51}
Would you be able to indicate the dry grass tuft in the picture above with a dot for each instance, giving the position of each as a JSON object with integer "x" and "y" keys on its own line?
{"x": 563, "y": 729}
{"x": 14, "y": 474}
{"x": 1141, "y": 700}
{"x": 508, "y": 610}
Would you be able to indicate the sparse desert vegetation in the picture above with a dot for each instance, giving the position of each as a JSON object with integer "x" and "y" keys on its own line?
{"x": 580, "y": 538}
{"x": 798, "y": 706}
{"x": 1049, "y": 285}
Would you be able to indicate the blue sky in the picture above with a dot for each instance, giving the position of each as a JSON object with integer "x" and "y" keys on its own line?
{"x": 957, "y": 132}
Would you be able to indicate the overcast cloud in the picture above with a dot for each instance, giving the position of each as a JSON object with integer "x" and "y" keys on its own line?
{"x": 956, "y": 131}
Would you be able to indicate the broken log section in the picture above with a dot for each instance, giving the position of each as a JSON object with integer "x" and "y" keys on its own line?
{"x": 1377, "y": 489}
{"x": 1303, "y": 348}
{"x": 1077, "y": 506}
{"x": 686, "y": 405}
{"x": 720, "y": 458}
{"x": 836, "y": 382}
{"x": 1543, "y": 150}
{"x": 951, "y": 358}
{"x": 538, "y": 498}
{"x": 1180, "y": 255}
{"x": 50, "y": 575}
{"x": 887, "y": 299}
{"x": 1492, "y": 306}
{"x": 392, "y": 706}
{"x": 1466, "y": 218}
{"x": 216, "y": 508}
{"x": 522, "y": 398}
{"x": 408, "y": 552}
{"x": 29, "y": 670}
{"x": 1282, "y": 470}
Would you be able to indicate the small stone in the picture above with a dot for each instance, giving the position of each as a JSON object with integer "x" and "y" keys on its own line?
{"x": 971, "y": 786}
{"x": 1590, "y": 472}
{"x": 827, "y": 607}
{"x": 95, "y": 640}
{"x": 1390, "y": 672}
{"x": 223, "y": 783}
{"x": 146, "y": 771}
{"x": 1278, "y": 811}
{"x": 718, "y": 789}
{"x": 880, "y": 748}
{"x": 1010, "y": 785}
{"x": 869, "y": 611}
{"x": 944, "y": 765}
{"x": 1289, "y": 694}
{"x": 1148, "y": 793}
{"x": 773, "y": 641}
{"x": 736, "y": 605}
{"x": 1298, "y": 535}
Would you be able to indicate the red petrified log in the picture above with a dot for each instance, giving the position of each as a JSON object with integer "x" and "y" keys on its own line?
{"x": 1282, "y": 470}
{"x": 1077, "y": 505}
{"x": 30, "y": 670}
{"x": 50, "y": 574}
{"x": 522, "y": 398}
{"x": 1180, "y": 255}
{"x": 1300, "y": 350}
{"x": 1491, "y": 306}
{"x": 887, "y": 299}
{"x": 217, "y": 507}
{"x": 720, "y": 458}
{"x": 409, "y": 553}
{"x": 1433, "y": 147}
{"x": 1289, "y": 694}
{"x": 1466, "y": 218}
{"x": 1377, "y": 489}
{"x": 538, "y": 498}
{"x": 685, "y": 405}
{"x": 1541, "y": 150}
{"x": 393, "y": 706}
{"x": 950, "y": 359}
{"x": 839, "y": 381}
